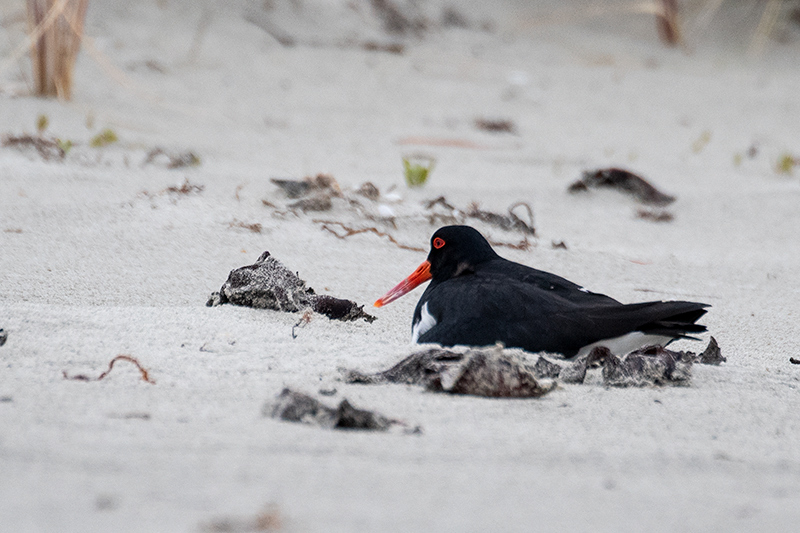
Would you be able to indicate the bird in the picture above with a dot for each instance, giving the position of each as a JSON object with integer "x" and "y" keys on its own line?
{"x": 478, "y": 298}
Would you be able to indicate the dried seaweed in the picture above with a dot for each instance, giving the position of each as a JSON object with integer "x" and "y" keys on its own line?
{"x": 544, "y": 368}
{"x": 173, "y": 160}
{"x": 268, "y": 284}
{"x": 292, "y": 406}
{"x": 391, "y": 48}
{"x": 655, "y": 215}
{"x": 122, "y": 357}
{"x": 495, "y": 125}
{"x": 3, "y": 336}
{"x": 434, "y": 141}
{"x": 653, "y": 365}
{"x": 794, "y": 361}
{"x": 319, "y": 202}
{"x": 268, "y": 520}
{"x": 524, "y": 244}
{"x": 369, "y": 190}
{"x": 509, "y": 222}
{"x": 712, "y": 355}
{"x": 649, "y": 366}
{"x": 185, "y": 188}
{"x": 48, "y": 148}
{"x": 478, "y": 372}
{"x": 255, "y": 227}
{"x": 299, "y": 188}
{"x": 623, "y": 181}
{"x": 328, "y": 225}
{"x": 395, "y": 20}
{"x": 130, "y": 416}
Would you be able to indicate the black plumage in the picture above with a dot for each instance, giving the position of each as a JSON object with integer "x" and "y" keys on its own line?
{"x": 478, "y": 298}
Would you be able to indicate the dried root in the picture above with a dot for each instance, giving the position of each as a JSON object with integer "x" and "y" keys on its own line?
{"x": 130, "y": 359}
{"x": 328, "y": 225}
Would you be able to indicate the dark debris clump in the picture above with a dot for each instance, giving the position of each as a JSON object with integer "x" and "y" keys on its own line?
{"x": 268, "y": 284}
{"x": 48, "y": 149}
{"x": 293, "y": 406}
{"x": 494, "y": 125}
{"x": 479, "y": 372}
{"x": 652, "y": 365}
{"x": 509, "y": 222}
{"x": 170, "y": 159}
{"x": 299, "y": 188}
{"x": 624, "y": 181}
{"x": 3, "y": 336}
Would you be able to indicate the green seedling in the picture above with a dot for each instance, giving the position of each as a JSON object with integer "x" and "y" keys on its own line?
{"x": 104, "y": 138}
{"x": 65, "y": 145}
{"x": 786, "y": 164}
{"x": 417, "y": 169}
{"x": 701, "y": 142}
{"x": 41, "y": 123}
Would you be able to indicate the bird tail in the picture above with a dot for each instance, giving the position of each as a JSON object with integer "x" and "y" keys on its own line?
{"x": 678, "y": 321}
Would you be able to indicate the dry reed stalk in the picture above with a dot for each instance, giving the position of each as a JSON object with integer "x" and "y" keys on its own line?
{"x": 669, "y": 30}
{"x": 56, "y": 28}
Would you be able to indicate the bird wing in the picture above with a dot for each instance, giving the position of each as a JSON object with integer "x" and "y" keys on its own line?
{"x": 542, "y": 313}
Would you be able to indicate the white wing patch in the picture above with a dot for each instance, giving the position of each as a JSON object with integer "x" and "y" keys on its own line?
{"x": 425, "y": 323}
{"x": 625, "y": 344}
{"x": 584, "y": 289}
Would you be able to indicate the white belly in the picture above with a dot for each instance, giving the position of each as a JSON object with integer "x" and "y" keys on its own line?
{"x": 625, "y": 344}
{"x": 425, "y": 323}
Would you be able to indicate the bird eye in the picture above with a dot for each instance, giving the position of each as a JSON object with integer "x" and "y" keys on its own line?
{"x": 438, "y": 242}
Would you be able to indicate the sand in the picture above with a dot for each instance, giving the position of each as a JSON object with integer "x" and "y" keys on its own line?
{"x": 93, "y": 267}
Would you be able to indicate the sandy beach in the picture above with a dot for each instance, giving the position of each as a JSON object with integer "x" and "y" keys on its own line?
{"x": 109, "y": 251}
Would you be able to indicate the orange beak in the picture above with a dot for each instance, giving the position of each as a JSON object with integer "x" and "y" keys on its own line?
{"x": 419, "y": 276}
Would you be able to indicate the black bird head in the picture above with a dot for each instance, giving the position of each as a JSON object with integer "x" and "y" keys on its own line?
{"x": 455, "y": 251}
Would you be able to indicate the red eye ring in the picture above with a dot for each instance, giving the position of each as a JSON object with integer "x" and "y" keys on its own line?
{"x": 438, "y": 242}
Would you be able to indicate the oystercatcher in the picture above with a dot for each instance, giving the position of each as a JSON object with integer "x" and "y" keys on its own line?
{"x": 477, "y": 298}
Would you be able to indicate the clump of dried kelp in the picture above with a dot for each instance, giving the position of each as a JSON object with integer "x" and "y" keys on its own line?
{"x": 122, "y": 357}
{"x": 495, "y": 372}
{"x": 480, "y": 372}
{"x": 267, "y": 284}
{"x": 652, "y": 365}
{"x": 655, "y": 215}
{"x": 293, "y": 406}
{"x": 624, "y": 181}
{"x": 171, "y": 159}
{"x": 495, "y": 125}
{"x": 312, "y": 194}
{"x": 175, "y": 191}
{"x": 367, "y": 210}
{"x": 49, "y": 149}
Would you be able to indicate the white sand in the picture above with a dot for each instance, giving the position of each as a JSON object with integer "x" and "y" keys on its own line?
{"x": 91, "y": 269}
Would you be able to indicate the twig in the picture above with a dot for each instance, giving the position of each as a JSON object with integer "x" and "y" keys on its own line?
{"x": 326, "y": 225}
{"x": 667, "y": 23}
{"x": 122, "y": 357}
{"x": 304, "y": 319}
{"x": 432, "y": 141}
{"x": 255, "y": 227}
